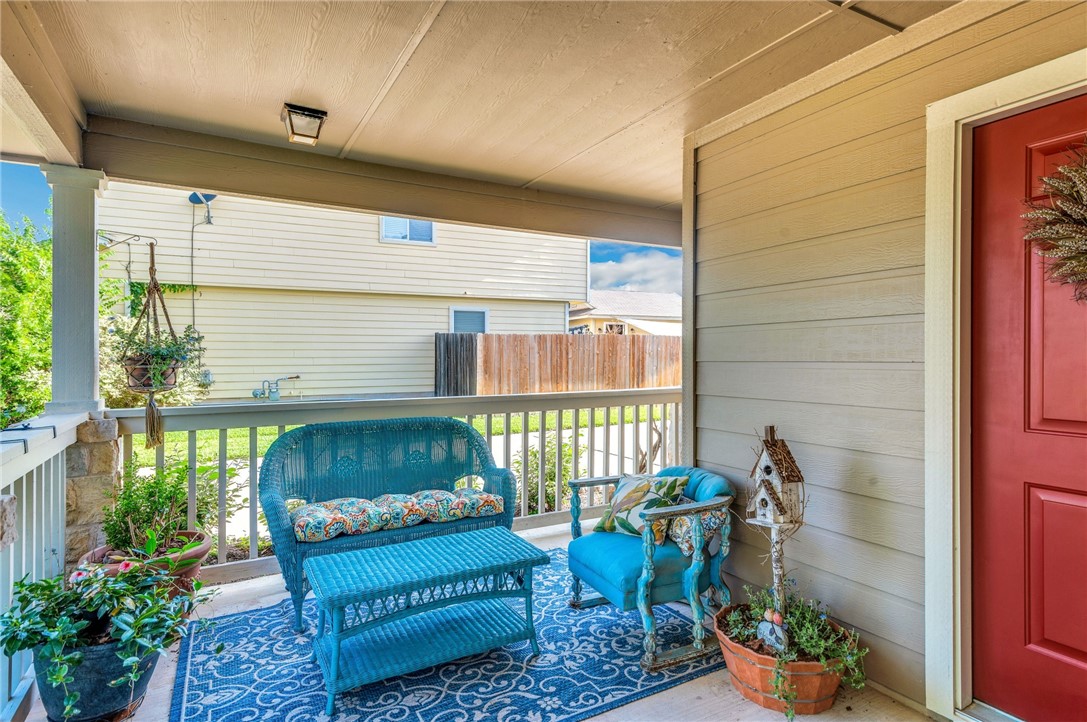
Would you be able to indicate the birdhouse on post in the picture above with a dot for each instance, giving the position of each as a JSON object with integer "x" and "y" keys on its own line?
{"x": 777, "y": 498}
{"x": 776, "y": 502}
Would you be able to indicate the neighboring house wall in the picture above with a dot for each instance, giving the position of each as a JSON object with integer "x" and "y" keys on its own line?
{"x": 286, "y": 289}
{"x": 599, "y": 325}
{"x": 264, "y": 244}
{"x": 343, "y": 344}
{"x": 809, "y": 315}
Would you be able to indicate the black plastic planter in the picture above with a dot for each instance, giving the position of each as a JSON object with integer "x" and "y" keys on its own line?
{"x": 97, "y": 700}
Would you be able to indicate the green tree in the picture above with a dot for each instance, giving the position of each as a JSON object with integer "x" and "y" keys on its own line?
{"x": 26, "y": 328}
{"x": 26, "y": 322}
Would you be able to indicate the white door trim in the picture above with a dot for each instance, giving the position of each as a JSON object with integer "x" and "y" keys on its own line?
{"x": 948, "y": 687}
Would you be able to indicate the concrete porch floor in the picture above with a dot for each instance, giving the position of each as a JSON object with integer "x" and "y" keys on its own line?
{"x": 710, "y": 697}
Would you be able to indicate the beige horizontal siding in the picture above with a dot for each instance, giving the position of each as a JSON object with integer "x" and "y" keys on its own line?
{"x": 810, "y": 315}
{"x": 342, "y": 344}
{"x": 262, "y": 244}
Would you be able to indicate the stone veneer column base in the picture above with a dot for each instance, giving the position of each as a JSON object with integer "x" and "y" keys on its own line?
{"x": 92, "y": 468}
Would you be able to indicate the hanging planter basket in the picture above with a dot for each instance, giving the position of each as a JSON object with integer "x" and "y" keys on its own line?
{"x": 146, "y": 376}
{"x": 153, "y": 354}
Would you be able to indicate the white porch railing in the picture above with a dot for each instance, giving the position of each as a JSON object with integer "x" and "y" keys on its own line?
{"x": 32, "y": 468}
{"x": 574, "y": 434}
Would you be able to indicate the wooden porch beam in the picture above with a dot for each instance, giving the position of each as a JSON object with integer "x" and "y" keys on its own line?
{"x": 36, "y": 90}
{"x": 162, "y": 156}
{"x": 847, "y": 8}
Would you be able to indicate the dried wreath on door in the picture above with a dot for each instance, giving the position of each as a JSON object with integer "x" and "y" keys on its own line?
{"x": 1057, "y": 230}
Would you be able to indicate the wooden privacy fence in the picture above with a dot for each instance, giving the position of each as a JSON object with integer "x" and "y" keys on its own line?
{"x": 470, "y": 364}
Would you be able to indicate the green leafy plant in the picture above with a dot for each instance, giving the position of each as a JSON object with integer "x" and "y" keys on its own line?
{"x": 133, "y": 609}
{"x": 532, "y": 469}
{"x": 812, "y": 638}
{"x": 114, "y": 330}
{"x": 146, "y": 506}
{"x": 153, "y": 360}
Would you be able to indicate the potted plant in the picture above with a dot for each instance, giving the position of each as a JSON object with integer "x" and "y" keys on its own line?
{"x": 97, "y": 637}
{"x": 152, "y": 359}
{"x": 146, "y": 520}
{"x": 804, "y": 678}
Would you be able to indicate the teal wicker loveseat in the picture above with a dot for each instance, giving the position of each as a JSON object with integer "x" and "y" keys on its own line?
{"x": 365, "y": 459}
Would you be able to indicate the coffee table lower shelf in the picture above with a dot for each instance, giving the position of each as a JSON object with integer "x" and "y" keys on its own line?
{"x": 421, "y": 640}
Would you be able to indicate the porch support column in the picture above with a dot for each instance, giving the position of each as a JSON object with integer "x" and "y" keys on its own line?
{"x": 75, "y": 289}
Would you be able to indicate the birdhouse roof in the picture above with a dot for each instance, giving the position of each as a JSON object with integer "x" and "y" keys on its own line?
{"x": 780, "y": 457}
{"x": 768, "y": 488}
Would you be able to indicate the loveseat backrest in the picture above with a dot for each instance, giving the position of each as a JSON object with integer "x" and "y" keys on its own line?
{"x": 365, "y": 459}
{"x": 702, "y": 485}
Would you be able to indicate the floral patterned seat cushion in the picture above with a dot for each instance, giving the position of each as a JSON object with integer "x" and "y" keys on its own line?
{"x": 680, "y": 530}
{"x": 440, "y": 506}
{"x": 324, "y": 520}
{"x": 403, "y": 509}
{"x": 635, "y": 494}
{"x": 480, "y": 503}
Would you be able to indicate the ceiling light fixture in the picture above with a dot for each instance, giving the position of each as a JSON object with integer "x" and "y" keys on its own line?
{"x": 303, "y": 124}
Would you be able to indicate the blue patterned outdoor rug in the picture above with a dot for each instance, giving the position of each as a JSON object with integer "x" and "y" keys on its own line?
{"x": 588, "y": 665}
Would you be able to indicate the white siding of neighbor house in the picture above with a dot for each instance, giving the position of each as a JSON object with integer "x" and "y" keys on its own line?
{"x": 343, "y": 344}
{"x": 263, "y": 244}
{"x": 809, "y": 315}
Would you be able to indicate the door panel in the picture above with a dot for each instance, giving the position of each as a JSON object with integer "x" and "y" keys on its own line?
{"x": 1029, "y": 434}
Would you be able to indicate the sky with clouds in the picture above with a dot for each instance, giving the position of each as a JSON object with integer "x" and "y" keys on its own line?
{"x": 634, "y": 267}
{"x": 623, "y": 266}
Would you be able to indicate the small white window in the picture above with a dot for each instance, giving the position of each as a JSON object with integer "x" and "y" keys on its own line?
{"x": 618, "y": 329}
{"x": 467, "y": 320}
{"x": 406, "y": 230}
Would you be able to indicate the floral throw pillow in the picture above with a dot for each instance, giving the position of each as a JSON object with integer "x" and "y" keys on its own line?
{"x": 712, "y": 521}
{"x": 635, "y": 494}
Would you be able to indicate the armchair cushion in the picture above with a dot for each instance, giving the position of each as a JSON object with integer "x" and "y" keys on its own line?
{"x": 679, "y": 530}
{"x": 612, "y": 564}
{"x": 635, "y": 494}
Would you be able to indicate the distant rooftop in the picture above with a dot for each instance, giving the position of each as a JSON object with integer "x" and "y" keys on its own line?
{"x": 636, "y": 304}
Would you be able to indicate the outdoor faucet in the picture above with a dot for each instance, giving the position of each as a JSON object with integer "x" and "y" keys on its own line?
{"x": 270, "y": 389}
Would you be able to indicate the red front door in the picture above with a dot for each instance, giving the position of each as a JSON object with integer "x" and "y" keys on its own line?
{"x": 1029, "y": 438}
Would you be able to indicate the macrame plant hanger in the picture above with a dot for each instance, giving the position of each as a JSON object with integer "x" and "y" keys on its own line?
{"x": 141, "y": 376}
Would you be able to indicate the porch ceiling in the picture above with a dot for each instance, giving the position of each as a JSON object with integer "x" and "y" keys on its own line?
{"x": 583, "y": 98}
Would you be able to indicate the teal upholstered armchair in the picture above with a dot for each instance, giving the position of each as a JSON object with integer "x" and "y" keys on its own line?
{"x": 633, "y": 572}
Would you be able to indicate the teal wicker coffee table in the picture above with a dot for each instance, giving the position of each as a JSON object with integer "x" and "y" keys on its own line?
{"x": 390, "y": 610}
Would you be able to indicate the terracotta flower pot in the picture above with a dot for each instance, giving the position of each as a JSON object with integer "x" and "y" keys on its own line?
{"x": 183, "y": 578}
{"x": 141, "y": 376}
{"x": 752, "y": 673}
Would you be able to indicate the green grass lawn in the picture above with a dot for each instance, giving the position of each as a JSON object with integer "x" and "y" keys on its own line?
{"x": 237, "y": 446}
